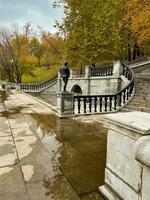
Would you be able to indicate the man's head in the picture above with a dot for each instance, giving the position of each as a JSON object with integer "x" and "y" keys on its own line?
{"x": 65, "y": 63}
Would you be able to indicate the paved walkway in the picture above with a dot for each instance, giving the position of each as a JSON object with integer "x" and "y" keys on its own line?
{"x": 30, "y": 167}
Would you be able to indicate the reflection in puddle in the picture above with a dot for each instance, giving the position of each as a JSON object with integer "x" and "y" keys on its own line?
{"x": 79, "y": 149}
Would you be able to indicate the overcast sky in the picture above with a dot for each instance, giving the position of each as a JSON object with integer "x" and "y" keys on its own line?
{"x": 38, "y": 12}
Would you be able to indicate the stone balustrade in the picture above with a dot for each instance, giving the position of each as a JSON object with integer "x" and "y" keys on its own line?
{"x": 127, "y": 172}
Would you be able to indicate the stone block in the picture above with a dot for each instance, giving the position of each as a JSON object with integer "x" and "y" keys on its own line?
{"x": 122, "y": 190}
{"x": 121, "y": 161}
{"x": 65, "y": 104}
{"x": 125, "y": 178}
{"x": 146, "y": 183}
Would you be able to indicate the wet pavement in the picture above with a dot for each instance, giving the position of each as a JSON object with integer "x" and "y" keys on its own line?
{"x": 43, "y": 157}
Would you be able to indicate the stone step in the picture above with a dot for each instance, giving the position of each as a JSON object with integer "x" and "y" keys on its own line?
{"x": 138, "y": 104}
{"x": 143, "y": 109}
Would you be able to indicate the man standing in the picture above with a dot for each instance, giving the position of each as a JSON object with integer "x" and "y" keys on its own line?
{"x": 65, "y": 74}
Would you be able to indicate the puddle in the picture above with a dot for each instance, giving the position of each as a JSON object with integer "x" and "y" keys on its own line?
{"x": 77, "y": 148}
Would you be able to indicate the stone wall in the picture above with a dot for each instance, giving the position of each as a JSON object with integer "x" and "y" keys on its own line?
{"x": 50, "y": 90}
{"x": 94, "y": 85}
{"x": 127, "y": 172}
{"x": 105, "y": 85}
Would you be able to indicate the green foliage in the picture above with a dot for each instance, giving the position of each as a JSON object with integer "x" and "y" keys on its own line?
{"x": 91, "y": 29}
{"x": 100, "y": 30}
{"x": 40, "y": 74}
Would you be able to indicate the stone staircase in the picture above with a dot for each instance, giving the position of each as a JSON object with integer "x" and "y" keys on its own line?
{"x": 141, "y": 99}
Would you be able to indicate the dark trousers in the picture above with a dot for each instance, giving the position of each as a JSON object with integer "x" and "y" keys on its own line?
{"x": 65, "y": 79}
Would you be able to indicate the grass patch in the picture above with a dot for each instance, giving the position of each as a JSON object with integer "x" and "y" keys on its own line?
{"x": 41, "y": 74}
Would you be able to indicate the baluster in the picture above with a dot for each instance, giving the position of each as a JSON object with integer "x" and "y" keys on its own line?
{"x": 124, "y": 70}
{"x": 127, "y": 93}
{"x": 100, "y": 104}
{"x": 106, "y": 71}
{"x": 115, "y": 102}
{"x": 90, "y": 104}
{"x": 124, "y": 96}
{"x": 95, "y": 104}
{"x": 110, "y": 105}
{"x": 84, "y": 101}
{"x": 132, "y": 85}
{"x": 112, "y": 70}
{"x": 120, "y": 99}
{"x": 105, "y": 103}
{"x": 79, "y": 104}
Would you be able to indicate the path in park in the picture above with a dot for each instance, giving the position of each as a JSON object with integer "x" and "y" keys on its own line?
{"x": 45, "y": 158}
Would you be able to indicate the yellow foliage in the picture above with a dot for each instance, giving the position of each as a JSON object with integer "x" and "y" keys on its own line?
{"x": 27, "y": 63}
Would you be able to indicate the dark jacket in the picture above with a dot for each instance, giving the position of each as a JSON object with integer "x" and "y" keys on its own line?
{"x": 64, "y": 72}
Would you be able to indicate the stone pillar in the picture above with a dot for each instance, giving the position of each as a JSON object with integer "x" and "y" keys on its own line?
{"x": 59, "y": 83}
{"x": 71, "y": 73}
{"x": 65, "y": 104}
{"x": 87, "y": 77}
{"x": 123, "y": 174}
{"x": 87, "y": 71}
{"x": 117, "y": 68}
{"x": 17, "y": 86}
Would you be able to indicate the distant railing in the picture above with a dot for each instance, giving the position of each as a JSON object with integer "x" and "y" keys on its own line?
{"x": 138, "y": 60}
{"x": 34, "y": 87}
{"x": 106, "y": 103}
{"x": 101, "y": 71}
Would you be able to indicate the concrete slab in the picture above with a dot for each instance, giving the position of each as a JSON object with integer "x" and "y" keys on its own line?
{"x": 17, "y": 121}
{"x": 39, "y": 164}
{"x": 4, "y": 133}
{"x": 7, "y": 151}
{"x": 11, "y": 184}
{"x": 52, "y": 189}
{"x": 4, "y": 123}
{"x": 25, "y": 145}
{"x": 22, "y": 132}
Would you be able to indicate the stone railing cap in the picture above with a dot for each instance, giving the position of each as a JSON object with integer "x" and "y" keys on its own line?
{"x": 142, "y": 150}
{"x": 136, "y": 121}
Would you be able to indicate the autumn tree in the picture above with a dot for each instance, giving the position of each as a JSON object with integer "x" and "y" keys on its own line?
{"x": 52, "y": 48}
{"x": 36, "y": 49}
{"x": 15, "y": 50}
{"x": 91, "y": 30}
{"x": 135, "y": 27}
